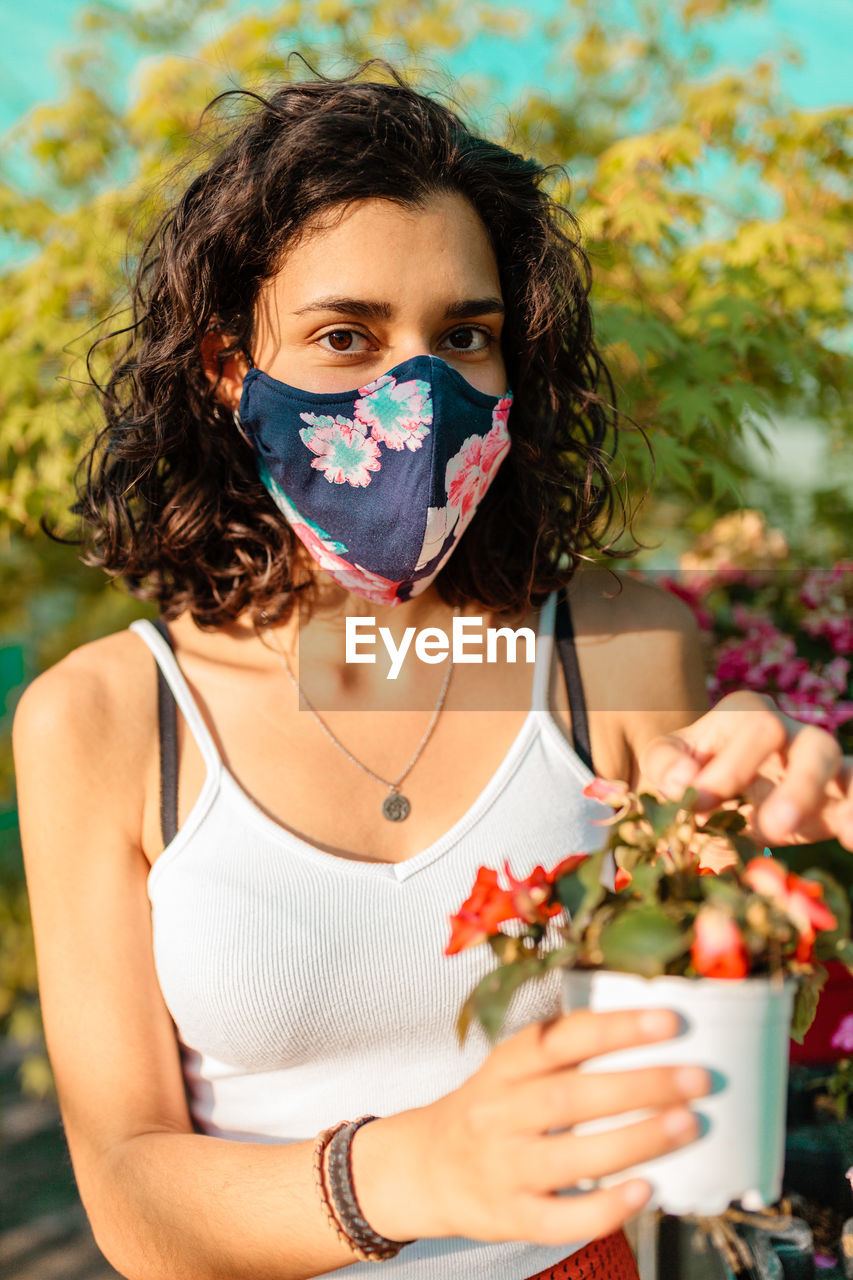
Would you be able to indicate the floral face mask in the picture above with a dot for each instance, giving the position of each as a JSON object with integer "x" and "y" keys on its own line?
{"x": 379, "y": 483}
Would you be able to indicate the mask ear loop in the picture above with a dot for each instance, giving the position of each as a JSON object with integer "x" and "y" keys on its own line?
{"x": 235, "y": 413}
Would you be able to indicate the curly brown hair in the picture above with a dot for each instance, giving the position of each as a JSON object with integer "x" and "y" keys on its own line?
{"x": 169, "y": 494}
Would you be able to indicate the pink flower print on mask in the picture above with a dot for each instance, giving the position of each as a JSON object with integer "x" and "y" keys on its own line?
{"x": 345, "y": 453}
{"x": 500, "y": 414}
{"x": 496, "y": 443}
{"x": 471, "y": 471}
{"x": 352, "y": 577}
{"x": 463, "y": 476}
{"x": 372, "y": 586}
{"x": 399, "y": 414}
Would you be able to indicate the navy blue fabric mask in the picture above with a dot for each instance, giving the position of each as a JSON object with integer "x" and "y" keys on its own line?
{"x": 381, "y": 482}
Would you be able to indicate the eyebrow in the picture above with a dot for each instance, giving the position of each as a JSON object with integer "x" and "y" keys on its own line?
{"x": 462, "y": 310}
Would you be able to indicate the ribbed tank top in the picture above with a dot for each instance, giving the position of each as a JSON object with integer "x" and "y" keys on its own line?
{"x": 307, "y": 988}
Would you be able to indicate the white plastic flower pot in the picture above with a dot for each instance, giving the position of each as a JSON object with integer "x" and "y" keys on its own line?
{"x": 739, "y": 1030}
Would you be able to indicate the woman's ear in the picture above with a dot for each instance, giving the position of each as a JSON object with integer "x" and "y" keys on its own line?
{"x": 226, "y": 376}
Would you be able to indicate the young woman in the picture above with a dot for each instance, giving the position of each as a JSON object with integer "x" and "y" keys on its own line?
{"x": 361, "y": 334}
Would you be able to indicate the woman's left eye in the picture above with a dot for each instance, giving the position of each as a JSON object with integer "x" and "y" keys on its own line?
{"x": 465, "y": 339}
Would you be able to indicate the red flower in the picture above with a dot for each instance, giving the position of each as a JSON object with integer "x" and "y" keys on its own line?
{"x": 480, "y": 915}
{"x": 800, "y": 899}
{"x": 615, "y": 793}
{"x": 622, "y": 879}
{"x": 718, "y": 949}
{"x": 568, "y": 864}
{"x": 533, "y": 898}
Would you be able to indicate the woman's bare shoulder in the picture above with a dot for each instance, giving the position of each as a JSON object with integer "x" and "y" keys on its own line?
{"x": 641, "y": 656}
{"x": 97, "y": 700}
{"x": 619, "y": 605}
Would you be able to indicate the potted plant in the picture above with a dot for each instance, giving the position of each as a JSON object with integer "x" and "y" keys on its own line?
{"x": 686, "y": 914}
{"x": 787, "y": 632}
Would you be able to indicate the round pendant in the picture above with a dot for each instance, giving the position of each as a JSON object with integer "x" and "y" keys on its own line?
{"x": 395, "y": 807}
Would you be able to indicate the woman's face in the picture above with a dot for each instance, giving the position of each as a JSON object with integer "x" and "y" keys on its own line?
{"x": 383, "y": 284}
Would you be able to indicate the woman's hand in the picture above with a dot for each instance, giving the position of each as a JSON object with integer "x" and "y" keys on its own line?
{"x": 793, "y": 775}
{"x": 488, "y": 1167}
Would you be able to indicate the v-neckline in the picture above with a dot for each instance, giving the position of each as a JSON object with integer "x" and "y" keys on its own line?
{"x": 218, "y": 773}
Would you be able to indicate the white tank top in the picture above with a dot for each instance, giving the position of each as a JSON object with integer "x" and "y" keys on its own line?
{"x": 308, "y": 988}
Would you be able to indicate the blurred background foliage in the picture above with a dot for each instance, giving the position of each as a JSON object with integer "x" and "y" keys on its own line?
{"x": 717, "y": 215}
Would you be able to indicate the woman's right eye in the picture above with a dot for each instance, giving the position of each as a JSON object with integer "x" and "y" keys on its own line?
{"x": 342, "y": 340}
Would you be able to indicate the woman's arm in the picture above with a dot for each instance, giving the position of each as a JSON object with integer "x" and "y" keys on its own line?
{"x": 163, "y": 1201}
{"x": 796, "y": 782}
{"x": 642, "y": 667}
{"x": 166, "y": 1203}
{"x": 642, "y": 662}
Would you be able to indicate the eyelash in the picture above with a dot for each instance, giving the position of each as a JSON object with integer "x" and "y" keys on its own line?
{"x": 471, "y": 328}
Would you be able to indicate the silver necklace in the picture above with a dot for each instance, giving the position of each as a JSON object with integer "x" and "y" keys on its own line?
{"x": 395, "y": 806}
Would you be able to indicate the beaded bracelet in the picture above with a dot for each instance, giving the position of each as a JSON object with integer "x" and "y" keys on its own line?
{"x": 333, "y": 1173}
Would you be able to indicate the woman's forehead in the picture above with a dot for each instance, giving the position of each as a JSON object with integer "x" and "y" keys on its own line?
{"x": 378, "y": 249}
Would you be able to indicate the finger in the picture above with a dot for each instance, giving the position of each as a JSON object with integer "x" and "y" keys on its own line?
{"x": 562, "y": 1160}
{"x": 570, "y": 1097}
{"x": 556, "y": 1219}
{"x": 844, "y": 814}
{"x": 744, "y": 745}
{"x": 669, "y": 763}
{"x": 813, "y": 760}
{"x": 674, "y": 761}
{"x": 571, "y": 1038}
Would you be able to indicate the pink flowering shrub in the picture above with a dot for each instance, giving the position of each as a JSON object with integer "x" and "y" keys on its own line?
{"x": 781, "y": 631}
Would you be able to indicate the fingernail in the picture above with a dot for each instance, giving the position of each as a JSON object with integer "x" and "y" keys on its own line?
{"x": 783, "y": 814}
{"x": 692, "y": 1082}
{"x": 636, "y": 1193}
{"x": 680, "y": 1124}
{"x": 659, "y": 1023}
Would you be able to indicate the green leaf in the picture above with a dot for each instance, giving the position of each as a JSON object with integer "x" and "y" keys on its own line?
{"x": 843, "y": 952}
{"x": 724, "y": 822}
{"x": 642, "y": 939}
{"x": 722, "y": 891}
{"x": 463, "y": 1022}
{"x": 836, "y": 898}
{"x": 646, "y": 878}
{"x": 805, "y": 1003}
{"x": 561, "y": 957}
{"x": 745, "y": 847}
{"x": 490, "y": 999}
{"x": 506, "y": 948}
{"x": 589, "y": 875}
{"x": 570, "y": 890}
{"x": 660, "y": 813}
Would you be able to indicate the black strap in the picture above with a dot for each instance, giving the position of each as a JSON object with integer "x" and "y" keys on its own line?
{"x": 565, "y": 637}
{"x": 167, "y": 715}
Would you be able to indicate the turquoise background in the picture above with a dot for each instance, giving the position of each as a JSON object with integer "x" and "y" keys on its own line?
{"x": 34, "y": 36}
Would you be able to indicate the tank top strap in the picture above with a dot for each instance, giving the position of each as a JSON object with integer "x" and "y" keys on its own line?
{"x": 174, "y": 677}
{"x": 544, "y": 653}
{"x": 565, "y": 639}
{"x": 556, "y": 630}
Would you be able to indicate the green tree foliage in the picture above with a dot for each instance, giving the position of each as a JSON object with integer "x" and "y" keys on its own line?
{"x": 716, "y": 214}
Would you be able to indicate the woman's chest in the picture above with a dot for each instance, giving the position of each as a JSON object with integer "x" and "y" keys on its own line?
{"x": 269, "y": 952}
{"x": 316, "y": 791}
{"x": 332, "y": 793}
